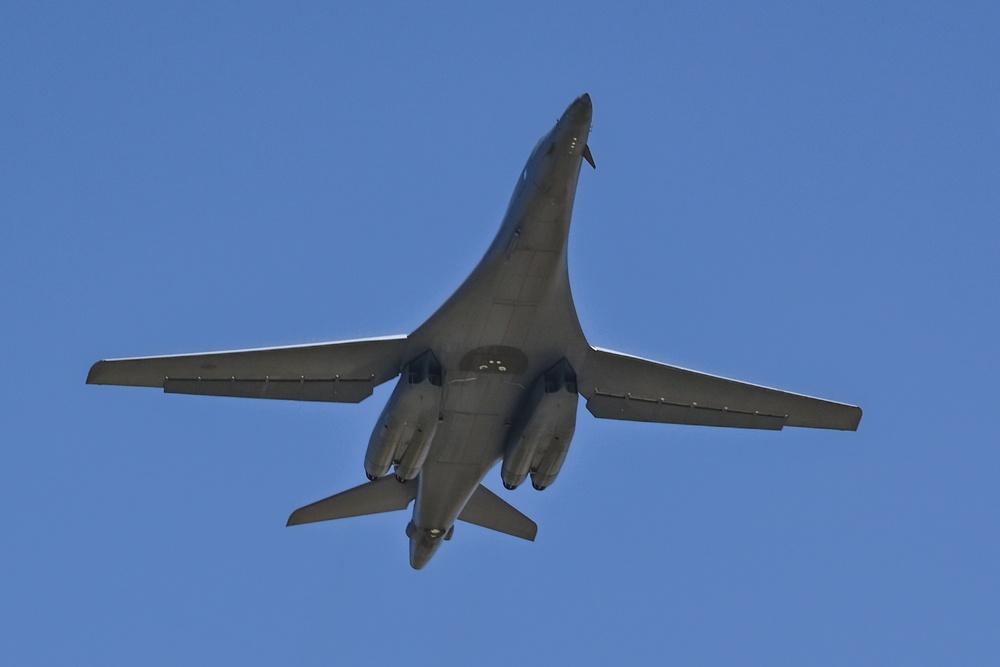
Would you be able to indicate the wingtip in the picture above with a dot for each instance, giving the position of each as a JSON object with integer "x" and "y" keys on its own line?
{"x": 859, "y": 414}
{"x": 94, "y": 373}
{"x": 850, "y": 420}
{"x": 295, "y": 519}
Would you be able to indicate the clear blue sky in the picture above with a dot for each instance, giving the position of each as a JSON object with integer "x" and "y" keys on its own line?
{"x": 795, "y": 195}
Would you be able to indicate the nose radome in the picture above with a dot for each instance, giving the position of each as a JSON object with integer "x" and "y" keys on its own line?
{"x": 582, "y": 105}
{"x": 580, "y": 111}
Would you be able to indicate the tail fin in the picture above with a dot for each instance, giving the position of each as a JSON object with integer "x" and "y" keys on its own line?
{"x": 488, "y": 510}
{"x": 383, "y": 495}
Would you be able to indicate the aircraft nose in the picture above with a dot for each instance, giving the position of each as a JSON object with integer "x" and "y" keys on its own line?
{"x": 580, "y": 112}
{"x": 581, "y": 105}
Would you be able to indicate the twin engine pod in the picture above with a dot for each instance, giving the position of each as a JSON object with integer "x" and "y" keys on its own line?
{"x": 539, "y": 439}
{"x": 403, "y": 433}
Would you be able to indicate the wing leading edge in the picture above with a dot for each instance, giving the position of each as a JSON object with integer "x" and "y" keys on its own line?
{"x": 344, "y": 372}
{"x": 619, "y": 386}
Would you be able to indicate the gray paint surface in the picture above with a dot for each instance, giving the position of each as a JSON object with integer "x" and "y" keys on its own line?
{"x": 512, "y": 320}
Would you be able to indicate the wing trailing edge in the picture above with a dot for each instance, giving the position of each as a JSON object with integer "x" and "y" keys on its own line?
{"x": 345, "y": 371}
{"x": 619, "y": 386}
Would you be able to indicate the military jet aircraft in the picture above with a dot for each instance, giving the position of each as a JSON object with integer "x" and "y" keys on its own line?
{"x": 493, "y": 376}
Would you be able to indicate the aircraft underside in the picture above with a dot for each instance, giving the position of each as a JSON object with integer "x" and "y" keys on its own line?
{"x": 494, "y": 375}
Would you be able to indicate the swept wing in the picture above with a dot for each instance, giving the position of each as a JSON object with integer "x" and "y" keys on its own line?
{"x": 344, "y": 372}
{"x": 619, "y": 386}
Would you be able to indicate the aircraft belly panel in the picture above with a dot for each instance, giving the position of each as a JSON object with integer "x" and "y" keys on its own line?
{"x": 445, "y": 488}
{"x": 515, "y": 270}
{"x": 496, "y": 324}
{"x": 493, "y": 341}
{"x": 519, "y": 326}
{"x": 546, "y": 236}
{"x": 450, "y": 440}
{"x": 460, "y": 394}
{"x": 469, "y": 439}
{"x": 542, "y": 267}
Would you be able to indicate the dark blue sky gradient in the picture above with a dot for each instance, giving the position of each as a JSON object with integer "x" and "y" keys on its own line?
{"x": 799, "y": 196}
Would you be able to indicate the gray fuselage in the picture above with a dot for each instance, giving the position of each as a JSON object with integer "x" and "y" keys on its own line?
{"x": 496, "y": 374}
{"x": 511, "y": 319}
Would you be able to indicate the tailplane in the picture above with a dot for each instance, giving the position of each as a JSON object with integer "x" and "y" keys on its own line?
{"x": 488, "y": 510}
{"x": 484, "y": 508}
{"x": 384, "y": 495}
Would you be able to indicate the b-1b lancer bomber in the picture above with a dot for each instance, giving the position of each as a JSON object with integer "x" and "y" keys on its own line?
{"x": 493, "y": 376}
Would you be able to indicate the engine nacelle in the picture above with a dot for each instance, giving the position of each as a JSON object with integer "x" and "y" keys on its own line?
{"x": 539, "y": 440}
{"x": 404, "y": 431}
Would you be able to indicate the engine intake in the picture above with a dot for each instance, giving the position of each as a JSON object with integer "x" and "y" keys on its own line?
{"x": 540, "y": 438}
{"x": 404, "y": 431}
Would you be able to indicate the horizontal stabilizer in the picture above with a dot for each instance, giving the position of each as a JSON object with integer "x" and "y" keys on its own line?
{"x": 383, "y": 495}
{"x": 488, "y": 510}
